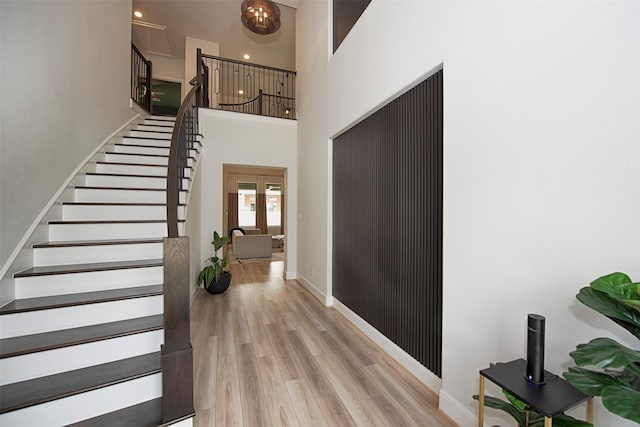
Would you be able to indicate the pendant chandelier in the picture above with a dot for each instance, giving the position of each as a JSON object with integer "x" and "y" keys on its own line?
{"x": 260, "y": 16}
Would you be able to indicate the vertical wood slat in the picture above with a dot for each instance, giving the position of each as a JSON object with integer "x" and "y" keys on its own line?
{"x": 387, "y": 221}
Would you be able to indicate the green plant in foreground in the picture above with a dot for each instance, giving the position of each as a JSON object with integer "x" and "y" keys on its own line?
{"x": 216, "y": 264}
{"x": 525, "y": 415}
{"x": 605, "y": 367}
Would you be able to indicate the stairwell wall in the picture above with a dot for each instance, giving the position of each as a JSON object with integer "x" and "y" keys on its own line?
{"x": 65, "y": 87}
{"x": 541, "y": 184}
{"x": 247, "y": 140}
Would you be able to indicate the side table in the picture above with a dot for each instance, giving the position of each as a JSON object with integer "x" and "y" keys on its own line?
{"x": 550, "y": 399}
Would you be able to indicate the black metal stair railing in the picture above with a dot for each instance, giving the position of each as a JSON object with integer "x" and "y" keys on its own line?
{"x": 247, "y": 88}
{"x": 141, "y": 75}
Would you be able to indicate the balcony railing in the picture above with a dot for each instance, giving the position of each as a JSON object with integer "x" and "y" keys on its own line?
{"x": 140, "y": 79}
{"x": 247, "y": 88}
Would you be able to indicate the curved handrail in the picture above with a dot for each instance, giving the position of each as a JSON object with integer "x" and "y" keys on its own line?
{"x": 186, "y": 117}
{"x": 240, "y": 103}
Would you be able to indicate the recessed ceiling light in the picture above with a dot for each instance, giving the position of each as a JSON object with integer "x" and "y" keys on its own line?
{"x": 246, "y": 56}
{"x": 240, "y": 91}
{"x": 137, "y": 14}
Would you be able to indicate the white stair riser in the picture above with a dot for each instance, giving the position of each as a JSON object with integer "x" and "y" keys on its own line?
{"x": 87, "y": 405}
{"x": 108, "y": 231}
{"x": 134, "y": 149}
{"x": 116, "y": 212}
{"x": 34, "y": 365}
{"x": 155, "y": 128}
{"x": 132, "y": 169}
{"x": 129, "y": 181}
{"x": 154, "y": 134}
{"x": 160, "y": 119}
{"x": 140, "y": 150}
{"x": 36, "y": 322}
{"x": 98, "y": 253}
{"x": 118, "y": 195}
{"x": 58, "y": 284}
{"x": 125, "y": 181}
{"x": 146, "y": 160}
{"x": 138, "y": 140}
{"x": 184, "y": 423}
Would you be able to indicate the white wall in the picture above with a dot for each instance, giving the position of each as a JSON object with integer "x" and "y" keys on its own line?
{"x": 243, "y": 139}
{"x": 191, "y": 46}
{"x": 541, "y": 148}
{"x": 65, "y": 87}
{"x": 164, "y": 68}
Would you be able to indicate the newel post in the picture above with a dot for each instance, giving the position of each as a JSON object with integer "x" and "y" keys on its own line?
{"x": 177, "y": 354}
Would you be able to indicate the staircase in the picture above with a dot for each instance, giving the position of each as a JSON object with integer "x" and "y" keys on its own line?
{"x": 80, "y": 345}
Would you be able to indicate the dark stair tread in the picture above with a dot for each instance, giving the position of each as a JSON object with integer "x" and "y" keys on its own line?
{"x": 46, "y": 389}
{"x": 145, "y": 414}
{"x": 16, "y": 346}
{"x": 70, "y": 300}
{"x": 156, "y": 124}
{"x": 83, "y": 268}
{"x": 152, "y": 131}
{"x": 138, "y": 154}
{"x": 95, "y": 243}
{"x": 141, "y": 145}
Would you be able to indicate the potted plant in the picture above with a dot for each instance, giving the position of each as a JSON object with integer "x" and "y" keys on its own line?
{"x": 215, "y": 279}
{"x": 605, "y": 367}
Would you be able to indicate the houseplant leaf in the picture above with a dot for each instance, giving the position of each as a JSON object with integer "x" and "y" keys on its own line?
{"x": 619, "y": 287}
{"x": 604, "y": 353}
{"x": 591, "y": 382}
{"x": 501, "y": 405}
{"x": 614, "y": 284}
{"x": 622, "y": 401}
{"x": 568, "y": 421}
{"x": 614, "y": 310}
{"x": 515, "y": 401}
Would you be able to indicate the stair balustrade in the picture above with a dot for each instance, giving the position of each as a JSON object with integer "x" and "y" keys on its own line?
{"x": 177, "y": 354}
{"x": 247, "y": 88}
{"x": 141, "y": 69}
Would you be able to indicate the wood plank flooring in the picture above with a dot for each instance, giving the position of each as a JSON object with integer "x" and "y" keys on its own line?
{"x": 267, "y": 353}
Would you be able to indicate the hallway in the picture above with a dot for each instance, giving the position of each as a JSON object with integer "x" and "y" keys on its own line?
{"x": 267, "y": 353}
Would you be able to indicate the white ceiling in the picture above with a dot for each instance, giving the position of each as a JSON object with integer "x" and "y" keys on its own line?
{"x": 217, "y": 21}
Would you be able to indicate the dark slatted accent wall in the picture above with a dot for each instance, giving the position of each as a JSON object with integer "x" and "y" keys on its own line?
{"x": 387, "y": 221}
{"x": 345, "y": 15}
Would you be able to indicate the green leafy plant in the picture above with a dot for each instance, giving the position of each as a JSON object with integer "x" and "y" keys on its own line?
{"x": 525, "y": 415}
{"x": 605, "y": 367}
{"x": 216, "y": 264}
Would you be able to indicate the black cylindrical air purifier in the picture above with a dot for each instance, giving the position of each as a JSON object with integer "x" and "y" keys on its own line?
{"x": 535, "y": 349}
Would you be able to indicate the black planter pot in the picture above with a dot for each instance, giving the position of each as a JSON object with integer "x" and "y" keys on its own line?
{"x": 221, "y": 285}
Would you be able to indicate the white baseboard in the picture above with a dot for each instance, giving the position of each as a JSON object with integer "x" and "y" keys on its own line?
{"x": 311, "y": 288}
{"x": 456, "y": 411}
{"x": 25, "y": 238}
{"x": 290, "y": 275}
{"x": 425, "y": 376}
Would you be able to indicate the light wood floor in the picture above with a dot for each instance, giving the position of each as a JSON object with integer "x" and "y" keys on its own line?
{"x": 267, "y": 353}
